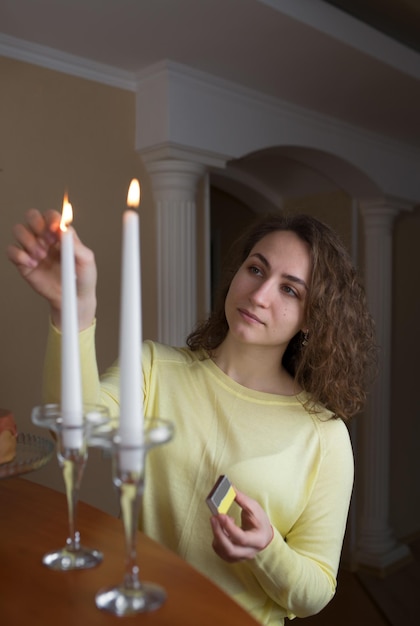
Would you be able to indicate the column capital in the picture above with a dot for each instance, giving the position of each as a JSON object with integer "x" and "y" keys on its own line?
{"x": 174, "y": 174}
{"x": 384, "y": 205}
{"x": 379, "y": 214}
{"x": 169, "y": 151}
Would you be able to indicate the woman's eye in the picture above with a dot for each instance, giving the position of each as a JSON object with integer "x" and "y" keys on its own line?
{"x": 290, "y": 291}
{"x": 254, "y": 270}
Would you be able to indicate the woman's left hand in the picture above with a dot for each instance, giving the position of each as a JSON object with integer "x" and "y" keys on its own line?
{"x": 234, "y": 544}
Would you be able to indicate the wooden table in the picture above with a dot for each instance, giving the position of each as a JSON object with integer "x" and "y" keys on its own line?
{"x": 33, "y": 520}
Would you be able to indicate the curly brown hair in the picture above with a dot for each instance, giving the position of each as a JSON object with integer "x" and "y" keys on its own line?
{"x": 336, "y": 365}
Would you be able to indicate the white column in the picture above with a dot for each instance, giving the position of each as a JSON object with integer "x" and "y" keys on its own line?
{"x": 174, "y": 184}
{"x": 377, "y": 546}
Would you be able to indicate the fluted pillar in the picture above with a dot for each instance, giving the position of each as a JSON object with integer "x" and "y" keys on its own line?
{"x": 174, "y": 184}
{"x": 377, "y": 546}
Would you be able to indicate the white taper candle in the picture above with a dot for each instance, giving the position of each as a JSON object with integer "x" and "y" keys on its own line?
{"x": 131, "y": 391}
{"x": 71, "y": 385}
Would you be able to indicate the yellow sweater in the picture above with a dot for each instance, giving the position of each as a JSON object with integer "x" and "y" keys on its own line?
{"x": 297, "y": 465}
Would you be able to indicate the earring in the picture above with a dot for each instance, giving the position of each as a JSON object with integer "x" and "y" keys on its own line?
{"x": 305, "y": 340}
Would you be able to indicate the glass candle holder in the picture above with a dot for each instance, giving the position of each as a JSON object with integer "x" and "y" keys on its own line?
{"x": 72, "y": 442}
{"x": 128, "y": 462}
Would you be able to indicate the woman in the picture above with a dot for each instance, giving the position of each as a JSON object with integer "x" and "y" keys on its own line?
{"x": 260, "y": 394}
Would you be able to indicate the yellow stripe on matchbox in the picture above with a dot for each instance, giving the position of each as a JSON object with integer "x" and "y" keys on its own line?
{"x": 227, "y": 501}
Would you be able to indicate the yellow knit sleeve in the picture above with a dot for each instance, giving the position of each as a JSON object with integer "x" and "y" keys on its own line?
{"x": 91, "y": 384}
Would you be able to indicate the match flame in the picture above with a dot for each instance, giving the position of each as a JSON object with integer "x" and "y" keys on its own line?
{"x": 133, "y": 197}
{"x": 67, "y": 214}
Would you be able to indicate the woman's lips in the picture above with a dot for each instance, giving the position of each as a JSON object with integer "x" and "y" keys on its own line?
{"x": 250, "y": 316}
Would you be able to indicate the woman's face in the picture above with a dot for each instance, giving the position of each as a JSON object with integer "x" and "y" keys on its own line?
{"x": 265, "y": 303}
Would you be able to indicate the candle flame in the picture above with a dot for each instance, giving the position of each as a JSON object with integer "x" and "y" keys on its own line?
{"x": 67, "y": 214}
{"x": 133, "y": 197}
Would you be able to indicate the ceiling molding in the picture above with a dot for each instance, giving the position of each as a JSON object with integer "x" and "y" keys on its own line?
{"x": 58, "y": 61}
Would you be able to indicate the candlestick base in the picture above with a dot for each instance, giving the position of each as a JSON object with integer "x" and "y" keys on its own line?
{"x": 72, "y": 557}
{"x": 121, "y": 600}
{"x": 72, "y": 453}
{"x": 128, "y": 464}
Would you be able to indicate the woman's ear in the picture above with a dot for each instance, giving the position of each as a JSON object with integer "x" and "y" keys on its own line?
{"x": 305, "y": 339}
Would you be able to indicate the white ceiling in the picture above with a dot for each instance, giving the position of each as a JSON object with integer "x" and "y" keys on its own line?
{"x": 306, "y": 52}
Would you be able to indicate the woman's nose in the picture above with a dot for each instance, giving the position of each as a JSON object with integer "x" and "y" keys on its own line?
{"x": 262, "y": 295}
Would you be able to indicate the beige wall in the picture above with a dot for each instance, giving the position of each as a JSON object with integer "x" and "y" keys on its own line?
{"x": 58, "y": 132}
{"x": 334, "y": 208}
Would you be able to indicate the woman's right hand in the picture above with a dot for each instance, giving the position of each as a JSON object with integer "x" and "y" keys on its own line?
{"x": 36, "y": 255}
